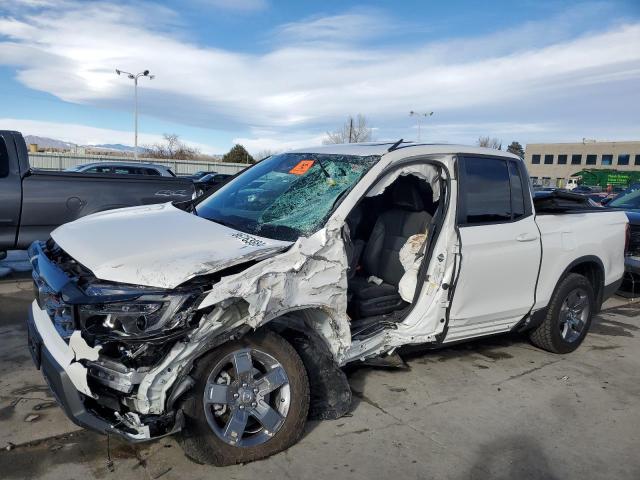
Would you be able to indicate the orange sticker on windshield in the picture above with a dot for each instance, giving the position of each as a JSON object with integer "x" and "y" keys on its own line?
{"x": 302, "y": 167}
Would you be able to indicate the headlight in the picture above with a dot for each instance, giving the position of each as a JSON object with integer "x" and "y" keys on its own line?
{"x": 148, "y": 314}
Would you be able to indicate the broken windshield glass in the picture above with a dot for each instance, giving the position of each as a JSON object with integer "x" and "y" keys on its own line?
{"x": 285, "y": 196}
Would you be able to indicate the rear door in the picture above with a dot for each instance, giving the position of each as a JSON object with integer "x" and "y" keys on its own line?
{"x": 500, "y": 248}
{"x": 10, "y": 191}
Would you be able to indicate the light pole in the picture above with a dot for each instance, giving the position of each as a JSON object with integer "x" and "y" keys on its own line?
{"x": 135, "y": 77}
{"x": 419, "y": 116}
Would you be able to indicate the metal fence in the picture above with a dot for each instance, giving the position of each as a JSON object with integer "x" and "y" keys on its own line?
{"x": 62, "y": 161}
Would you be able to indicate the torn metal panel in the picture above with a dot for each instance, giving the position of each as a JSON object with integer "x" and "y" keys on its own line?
{"x": 424, "y": 171}
{"x": 311, "y": 274}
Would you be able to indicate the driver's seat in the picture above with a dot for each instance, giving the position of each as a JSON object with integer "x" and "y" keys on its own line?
{"x": 381, "y": 256}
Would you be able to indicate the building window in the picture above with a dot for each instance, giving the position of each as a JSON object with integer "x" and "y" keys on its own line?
{"x": 548, "y": 159}
{"x": 535, "y": 159}
{"x": 636, "y": 161}
{"x": 623, "y": 159}
{"x": 576, "y": 159}
{"x": 562, "y": 159}
{"x": 607, "y": 160}
{"x": 591, "y": 159}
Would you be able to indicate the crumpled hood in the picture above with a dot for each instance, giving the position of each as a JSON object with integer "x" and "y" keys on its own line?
{"x": 158, "y": 245}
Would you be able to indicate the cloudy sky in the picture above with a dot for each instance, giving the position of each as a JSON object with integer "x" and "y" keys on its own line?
{"x": 278, "y": 74}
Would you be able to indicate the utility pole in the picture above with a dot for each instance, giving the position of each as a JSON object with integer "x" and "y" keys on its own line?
{"x": 419, "y": 117}
{"x": 350, "y": 129}
{"x": 135, "y": 77}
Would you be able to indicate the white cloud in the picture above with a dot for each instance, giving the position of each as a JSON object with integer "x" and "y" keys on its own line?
{"x": 256, "y": 144}
{"x": 333, "y": 29}
{"x": 85, "y": 135}
{"x": 318, "y": 71}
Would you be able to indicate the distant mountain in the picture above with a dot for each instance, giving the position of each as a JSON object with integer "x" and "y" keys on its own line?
{"x": 46, "y": 142}
{"x": 116, "y": 146}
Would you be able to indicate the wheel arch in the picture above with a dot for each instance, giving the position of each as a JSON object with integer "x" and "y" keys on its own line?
{"x": 589, "y": 266}
{"x": 329, "y": 388}
{"x": 592, "y": 268}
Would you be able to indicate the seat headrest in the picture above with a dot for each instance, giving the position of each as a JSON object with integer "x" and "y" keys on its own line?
{"x": 407, "y": 196}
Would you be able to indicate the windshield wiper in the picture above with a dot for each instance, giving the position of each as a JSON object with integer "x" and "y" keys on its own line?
{"x": 326, "y": 173}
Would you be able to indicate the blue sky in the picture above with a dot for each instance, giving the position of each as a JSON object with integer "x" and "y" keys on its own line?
{"x": 277, "y": 75}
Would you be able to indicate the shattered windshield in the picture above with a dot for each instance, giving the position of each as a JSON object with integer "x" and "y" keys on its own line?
{"x": 285, "y": 196}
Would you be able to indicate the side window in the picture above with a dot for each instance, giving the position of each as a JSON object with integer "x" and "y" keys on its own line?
{"x": 151, "y": 171}
{"x": 122, "y": 170}
{"x": 4, "y": 159}
{"x": 517, "y": 191}
{"x": 486, "y": 192}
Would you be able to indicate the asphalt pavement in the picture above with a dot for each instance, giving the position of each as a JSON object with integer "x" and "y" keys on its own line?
{"x": 495, "y": 408}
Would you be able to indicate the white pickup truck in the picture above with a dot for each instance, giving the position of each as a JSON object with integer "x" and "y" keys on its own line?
{"x": 229, "y": 317}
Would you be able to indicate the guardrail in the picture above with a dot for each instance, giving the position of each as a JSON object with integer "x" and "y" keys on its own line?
{"x": 62, "y": 161}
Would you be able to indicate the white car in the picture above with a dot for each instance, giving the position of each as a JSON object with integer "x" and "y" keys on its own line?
{"x": 229, "y": 317}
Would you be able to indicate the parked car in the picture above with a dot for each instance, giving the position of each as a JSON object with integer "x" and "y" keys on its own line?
{"x": 33, "y": 203}
{"x": 210, "y": 181}
{"x": 123, "y": 168}
{"x": 629, "y": 201}
{"x": 230, "y": 316}
{"x": 199, "y": 174}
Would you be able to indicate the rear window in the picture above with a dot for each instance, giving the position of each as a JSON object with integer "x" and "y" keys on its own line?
{"x": 492, "y": 191}
{"x": 4, "y": 159}
{"x": 487, "y": 192}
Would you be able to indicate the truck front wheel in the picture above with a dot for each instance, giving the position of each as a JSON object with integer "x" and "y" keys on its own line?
{"x": 251, "y": 400}
{"x": 568, "y": 318}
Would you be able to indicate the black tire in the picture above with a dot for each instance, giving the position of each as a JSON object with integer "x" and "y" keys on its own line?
{"x": 548, "y": 334}
{"x": 198, "y": 440}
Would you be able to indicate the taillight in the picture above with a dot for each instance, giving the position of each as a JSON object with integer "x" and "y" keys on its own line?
{"x": 627, "y": 240}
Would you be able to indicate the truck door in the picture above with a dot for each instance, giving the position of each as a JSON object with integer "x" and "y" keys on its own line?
{"x": 10, "y": 192}
{"x": 500, "y": 248}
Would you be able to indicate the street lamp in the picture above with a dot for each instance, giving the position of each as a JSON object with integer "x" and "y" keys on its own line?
{"x": 419, "y": 116}
{"x": 135, "y": 77}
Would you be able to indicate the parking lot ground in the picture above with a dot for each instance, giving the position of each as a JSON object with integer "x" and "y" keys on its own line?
{"x": 495, "y": 408}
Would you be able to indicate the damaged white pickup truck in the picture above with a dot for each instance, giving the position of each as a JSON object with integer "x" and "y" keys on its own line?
{"x": 228, "y": 317}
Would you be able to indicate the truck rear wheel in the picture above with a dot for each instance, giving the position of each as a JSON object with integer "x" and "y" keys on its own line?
{"x": 251, "y": 401}
{"x": 568, "y": 318}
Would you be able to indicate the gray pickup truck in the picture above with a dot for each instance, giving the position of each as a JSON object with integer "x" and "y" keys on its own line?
{"x": 33, "y": 203}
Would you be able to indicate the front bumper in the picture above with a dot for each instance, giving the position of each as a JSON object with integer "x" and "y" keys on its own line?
{"x": 51, "y": 355}
{"x": 56, "y": 354}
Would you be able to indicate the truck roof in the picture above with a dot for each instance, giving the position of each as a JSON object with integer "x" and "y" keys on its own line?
{"x": 382, "y": 148}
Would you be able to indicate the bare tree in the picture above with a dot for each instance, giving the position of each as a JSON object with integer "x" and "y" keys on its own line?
{"x": 490, "y": 142}
{"x": 172, "y": 148}
{"x": 353, "y": 131}
{"x": 262, "y": 154}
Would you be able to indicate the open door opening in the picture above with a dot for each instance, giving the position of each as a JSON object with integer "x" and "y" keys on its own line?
{"x": 388, "y": 231}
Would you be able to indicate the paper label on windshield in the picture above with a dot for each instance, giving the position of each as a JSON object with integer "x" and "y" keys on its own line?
{"x": 302, "y": 167}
